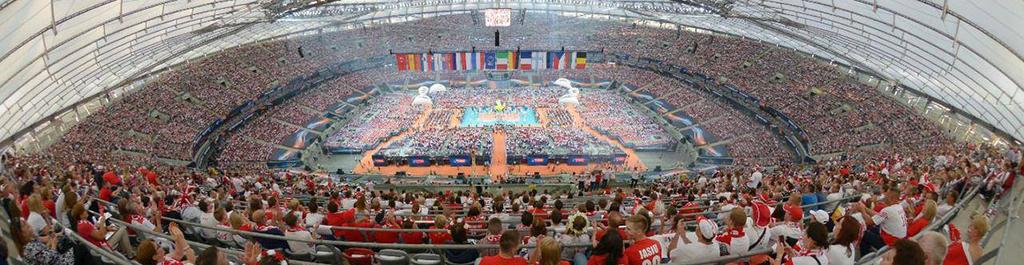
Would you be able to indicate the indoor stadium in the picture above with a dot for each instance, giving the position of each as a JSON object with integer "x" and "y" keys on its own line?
{"x": 518, "y": 132}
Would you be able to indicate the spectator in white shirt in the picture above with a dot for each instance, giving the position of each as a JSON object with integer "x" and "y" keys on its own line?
{"x": 892, "y": 220}
{"x": 842, "y": 250}
{"x": 295, "y": 230}
{"x": 206, "y": 218}
{"x": 705, "y": 248}
{"x": 313, "y": 216}
{"x": 813, "y": 252}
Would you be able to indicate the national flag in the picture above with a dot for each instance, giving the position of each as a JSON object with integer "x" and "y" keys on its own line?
{"x": 525, "y": 60}
{"x": 502, "y": 62}
{"x": 462, "y": 61}
{"x": 540, "y": 60}
{"x": 581, "y": 60}
{"x": 429, "y": 64}
{"x": 416, "y": 62}
{"x": 490, "y": 62}
{"x": 410, "y": 61}
{"x": 439, "y": 62}
{"x": 556, "y": 60}
{"x": 401, "y": 62}
{"x": 473, "y": 61}
{"x": 453, "y": 64}
{"x": 481, "y": 61}
{"x": 513, "y": 60}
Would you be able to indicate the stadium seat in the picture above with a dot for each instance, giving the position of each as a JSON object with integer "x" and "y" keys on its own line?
{"x": 425, "y": 259}
{"x": 302, "y": 257}
{"x": 359, "y": 256}
{"x": 327, "y": 255}
{"x": 392, "y": 257}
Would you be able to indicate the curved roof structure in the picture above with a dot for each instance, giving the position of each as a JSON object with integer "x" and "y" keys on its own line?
{"x": 56, "y": 54}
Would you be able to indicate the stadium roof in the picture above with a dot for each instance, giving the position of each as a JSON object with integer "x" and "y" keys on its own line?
{"x": 55, "y": 54}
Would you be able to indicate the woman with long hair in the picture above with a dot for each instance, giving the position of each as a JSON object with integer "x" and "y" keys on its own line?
{"x": 841, "y": 250}
{"x": 549, "y": 253}
{"x": 608, "y": 250}
{"x": 149, "y": 253}
{"x": 923, "y": 219}
{"x": 94, "y": 233}
{"x": 41, "y": 247}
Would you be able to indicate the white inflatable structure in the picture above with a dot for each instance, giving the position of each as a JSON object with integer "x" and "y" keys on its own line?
{"x": 423, "y": 98}
{"x": 562, "y": 82}
{"x": 572, "y": 94}
{"x": 437, "y": 88}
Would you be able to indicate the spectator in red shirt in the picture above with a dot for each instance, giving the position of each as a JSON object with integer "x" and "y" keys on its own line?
{"x": 89, "y": 231}
{"x": 509, "y": 246}
{"x": 388, "y": 237}
{"x": 106, "y": 192}
{"x": 614, "y": 220}
{"x": 923, "y": 219}
{"x": 440, "y": 222}
{"x": 411, "y": 237}
{"x": 608, "y": 250}
{"x": 335, "y": 218}
{"x": 111, "y": 178}
{"x": 644, "y": 251}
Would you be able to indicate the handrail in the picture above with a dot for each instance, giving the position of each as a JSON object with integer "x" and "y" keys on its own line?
{"x": 931, "y": 226}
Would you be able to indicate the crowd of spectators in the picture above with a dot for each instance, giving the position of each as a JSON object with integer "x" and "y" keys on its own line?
{"x": 383, "y": 116}
{"x": 523, "y": 141}
{"x": 608, "y": 112}
{"x": 543, "y": 97}
{"x": 880, "y": 201}
{"x": 179, "y": 103}
{"x": 441, "y": 142}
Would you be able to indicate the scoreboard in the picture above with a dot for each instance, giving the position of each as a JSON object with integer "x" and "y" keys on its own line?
{"x": 498, "y": 17}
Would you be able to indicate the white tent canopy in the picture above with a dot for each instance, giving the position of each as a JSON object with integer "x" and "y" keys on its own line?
{"x": 968, "y": 54}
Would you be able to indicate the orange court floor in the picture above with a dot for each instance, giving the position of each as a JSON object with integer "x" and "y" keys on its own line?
{"x": 499, "y": 168}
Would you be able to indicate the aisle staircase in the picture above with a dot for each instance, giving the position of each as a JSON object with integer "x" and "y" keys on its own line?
{"x": 499, "y": 159}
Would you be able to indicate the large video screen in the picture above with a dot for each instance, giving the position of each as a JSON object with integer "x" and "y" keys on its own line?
{"x": 498, "y": 17}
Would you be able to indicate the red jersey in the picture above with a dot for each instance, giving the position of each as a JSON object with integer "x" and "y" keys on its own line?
{"x": 439, "y": 237}
{"x": 917, "y": 226}
{"x": 105, "y": 194}
{"x": 356, "y": 235}
{"x": 386, "y": 237}
{"x": 645, "y": 251}
{"x": 499, "y": 260}
{"x": 958, "y": 254}
{"x": 412, "y": 237}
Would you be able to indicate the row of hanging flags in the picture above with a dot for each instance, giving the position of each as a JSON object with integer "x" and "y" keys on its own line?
{"x": 492, "y": 60}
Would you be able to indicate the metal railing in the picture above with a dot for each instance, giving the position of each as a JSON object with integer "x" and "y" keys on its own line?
{"x": 933, "y": 226}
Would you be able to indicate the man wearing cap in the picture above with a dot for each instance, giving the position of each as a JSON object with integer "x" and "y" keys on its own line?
{"x": 790, "y": 227}
{"x": 705, "y": 248}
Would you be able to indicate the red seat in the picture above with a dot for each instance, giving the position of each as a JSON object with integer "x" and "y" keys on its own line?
{"x": 359, "y": 256}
